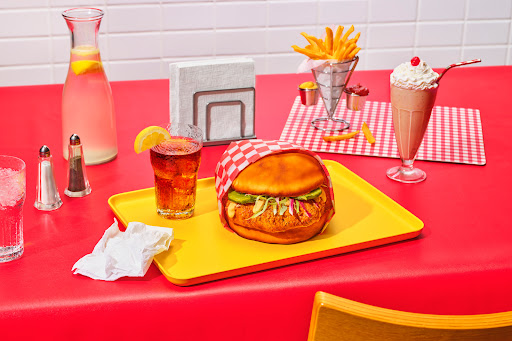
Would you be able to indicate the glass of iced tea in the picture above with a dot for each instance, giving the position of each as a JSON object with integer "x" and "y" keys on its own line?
{"x": 175, "y": 163}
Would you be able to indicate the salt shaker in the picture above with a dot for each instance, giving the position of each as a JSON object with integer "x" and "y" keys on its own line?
{"x": 47, "y": 194}
{"x": 78, "y": 184}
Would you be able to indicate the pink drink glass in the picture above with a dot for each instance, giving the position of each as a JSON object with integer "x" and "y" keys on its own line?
{"x": 411, "y": 114}
{"x": 12, "y": 198}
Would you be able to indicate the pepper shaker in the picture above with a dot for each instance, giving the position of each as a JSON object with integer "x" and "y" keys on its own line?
{"x": 78, "y": 184}
{"x": 47, "y": 194}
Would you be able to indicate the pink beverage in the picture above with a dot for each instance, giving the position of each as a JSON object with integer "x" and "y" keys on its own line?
{"x": 88, "y": 108}
{"x": 12, "y": 198}
{"x": 413, "y": 94}
{"x": 87, "y": 103}
{"x": 411, "y": 114}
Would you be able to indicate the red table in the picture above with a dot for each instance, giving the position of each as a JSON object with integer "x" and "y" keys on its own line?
{"x": 460, "y": 264}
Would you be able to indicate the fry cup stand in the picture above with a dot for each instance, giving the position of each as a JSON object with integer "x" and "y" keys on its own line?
{"x": 332, "y": 78}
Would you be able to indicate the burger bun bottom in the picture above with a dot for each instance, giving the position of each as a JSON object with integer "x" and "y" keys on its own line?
{"x": 296, "y": 235}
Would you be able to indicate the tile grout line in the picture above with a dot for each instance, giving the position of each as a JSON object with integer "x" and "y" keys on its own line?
{"x": 215, "y": 30}
{"x": 50, "y": 31}
{"x": 416, "y": 34}
{"x": 267, "y": 35}
{"x": 508, "y": 58}
{"x": 464, "y": 30}
{"x": 107, "y": 43}
{"x": 162, "y": 62}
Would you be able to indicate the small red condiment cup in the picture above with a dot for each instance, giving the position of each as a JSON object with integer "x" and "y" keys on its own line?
{"x": 355, "y": 102}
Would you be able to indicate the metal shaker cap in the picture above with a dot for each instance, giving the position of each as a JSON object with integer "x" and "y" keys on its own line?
{"x": 44, "y": 151}
{"x": 74, "y": 140}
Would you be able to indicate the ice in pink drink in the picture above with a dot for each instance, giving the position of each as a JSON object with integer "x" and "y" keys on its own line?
{"x": 88, "y": 108}
{"x": 12, "y": 197}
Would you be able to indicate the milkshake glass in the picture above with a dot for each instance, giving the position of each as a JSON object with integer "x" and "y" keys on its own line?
{"x": 413, "y": 94}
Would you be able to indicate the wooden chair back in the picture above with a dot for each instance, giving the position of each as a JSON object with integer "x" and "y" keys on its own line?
{"x": 336, "y": 318}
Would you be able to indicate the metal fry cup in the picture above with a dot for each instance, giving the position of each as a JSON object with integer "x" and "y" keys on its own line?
{"x": 355, "y": 102}
{"x": 308, "y": 96}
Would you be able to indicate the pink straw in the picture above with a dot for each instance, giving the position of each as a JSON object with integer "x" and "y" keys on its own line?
{"x": 457, "y": 64}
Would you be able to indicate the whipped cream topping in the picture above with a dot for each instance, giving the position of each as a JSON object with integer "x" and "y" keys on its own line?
{"x": 420, "y": 77}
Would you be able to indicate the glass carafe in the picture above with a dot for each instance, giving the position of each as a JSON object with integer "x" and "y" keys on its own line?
{"x": 87, "y": 104}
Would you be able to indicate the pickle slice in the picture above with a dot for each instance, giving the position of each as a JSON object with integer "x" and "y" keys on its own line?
{"x": 311, "y": 195}
{"x": 241, "y": 198}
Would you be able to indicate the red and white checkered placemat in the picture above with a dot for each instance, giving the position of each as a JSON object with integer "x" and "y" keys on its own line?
{"x": 453, "y": 134}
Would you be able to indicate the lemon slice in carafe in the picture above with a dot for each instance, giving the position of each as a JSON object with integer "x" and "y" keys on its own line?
{"x": 81, "y": 67}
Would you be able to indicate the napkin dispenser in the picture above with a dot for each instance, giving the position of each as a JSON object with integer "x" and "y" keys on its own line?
{"x": 216, "y": 95}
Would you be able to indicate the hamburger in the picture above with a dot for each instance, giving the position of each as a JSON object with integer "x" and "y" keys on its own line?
{"x": 281, "y": 198}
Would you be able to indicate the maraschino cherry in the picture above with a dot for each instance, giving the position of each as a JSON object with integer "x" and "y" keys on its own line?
{"x": 415, "y": 61}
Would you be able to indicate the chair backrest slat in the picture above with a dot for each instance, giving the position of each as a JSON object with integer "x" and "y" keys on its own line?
{"x": 336, "y": 318}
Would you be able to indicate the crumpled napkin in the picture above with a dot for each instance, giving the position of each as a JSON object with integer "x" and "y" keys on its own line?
{"x": 128, "y": 253}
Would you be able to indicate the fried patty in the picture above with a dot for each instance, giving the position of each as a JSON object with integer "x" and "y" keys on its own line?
{"x": 270, "y": 222}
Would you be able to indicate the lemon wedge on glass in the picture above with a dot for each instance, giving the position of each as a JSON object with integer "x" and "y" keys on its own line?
{"x": 150, "y": 137}
{"x": 81, "y": 67}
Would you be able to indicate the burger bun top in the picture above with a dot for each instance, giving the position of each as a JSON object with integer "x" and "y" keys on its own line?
{"x": 283, "y": 174}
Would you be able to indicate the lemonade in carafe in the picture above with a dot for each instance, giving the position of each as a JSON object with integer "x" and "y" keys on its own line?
{"x": 87, "y": 103}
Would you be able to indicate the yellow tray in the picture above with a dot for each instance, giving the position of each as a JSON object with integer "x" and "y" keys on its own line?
{"x": 203, "y": 250}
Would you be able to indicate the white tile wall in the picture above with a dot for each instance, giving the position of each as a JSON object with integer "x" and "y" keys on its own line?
{"x": 393, "y": 10}
{"x": 439, "y": 33}
{"x": 485, "y": 9}
{"x": 120, "y": 19}
{"x": 442, "y": 10}
{"x": 139, "y": 38}
{"x": 134, "y": 46}
{"x": 487, "y": 32}
{"x": 203, "y": 43}
{"x": 391, "y": 35}
{"x": 241, "y": 15}
{"x": 187, "y": 16}
{"x": 334, "y": 11}
{"x": 292, "y": 13}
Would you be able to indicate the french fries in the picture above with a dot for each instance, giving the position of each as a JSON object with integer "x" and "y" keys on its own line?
{"x": 366, "y": 131}
{"x": 340, "y": 137}
{"x": 335, "y": 47}
{"x": 368, "y": 134}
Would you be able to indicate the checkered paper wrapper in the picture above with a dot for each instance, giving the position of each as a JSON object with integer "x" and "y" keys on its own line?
{"x": 453, "y": 134}
{"x": 240, "y": 154}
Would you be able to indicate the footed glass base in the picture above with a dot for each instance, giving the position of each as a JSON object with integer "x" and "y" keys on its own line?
{"x": 406, "y": 174}
{"x": 330, "y": 124}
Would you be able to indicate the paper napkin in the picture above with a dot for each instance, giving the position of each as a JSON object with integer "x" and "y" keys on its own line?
{"x": 215, "y": 81}
{"x": 128, "y": 253}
